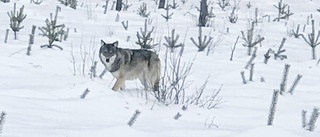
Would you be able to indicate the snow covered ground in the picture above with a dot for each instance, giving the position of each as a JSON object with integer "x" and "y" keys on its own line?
{"x": 41, "y": 96}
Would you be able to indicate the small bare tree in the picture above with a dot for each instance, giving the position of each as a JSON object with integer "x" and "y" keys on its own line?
{"x": 174, "y": 79}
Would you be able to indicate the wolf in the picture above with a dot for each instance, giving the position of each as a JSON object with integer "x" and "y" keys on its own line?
{"x": 130, "y": 64}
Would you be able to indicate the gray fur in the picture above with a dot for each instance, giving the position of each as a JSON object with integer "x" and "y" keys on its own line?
{"x": 129, "y": 64}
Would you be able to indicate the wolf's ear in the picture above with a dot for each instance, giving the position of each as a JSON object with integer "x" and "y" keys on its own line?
{"x": 115, "y": 44}
{"x": 102, "y": 42}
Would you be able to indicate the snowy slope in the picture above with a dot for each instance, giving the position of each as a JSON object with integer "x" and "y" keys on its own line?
{"x": 41, "y": 96}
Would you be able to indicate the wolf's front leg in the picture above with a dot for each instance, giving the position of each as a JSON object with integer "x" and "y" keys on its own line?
{"x": 119, "y": 83}
{"x": 123, "y": 87}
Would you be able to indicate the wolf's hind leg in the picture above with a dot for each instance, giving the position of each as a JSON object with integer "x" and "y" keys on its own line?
{"x": 144, "y": 81}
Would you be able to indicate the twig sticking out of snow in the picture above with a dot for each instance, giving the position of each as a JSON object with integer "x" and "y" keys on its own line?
{"x": 134, "y": 117}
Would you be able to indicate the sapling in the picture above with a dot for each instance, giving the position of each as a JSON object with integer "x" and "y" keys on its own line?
{"x": 167, "y": 16}
{"x": 249, "y": 5}
{"x": 52, "y": 31}
{"x": 30, "y": 44}
{"x": 244, "y": 81}
{"x": 93, "y": 70}
{"x": 280, "y": 50}
{"x": 143, "y": 11}
{"x": 6, "y": 37}
{"x": 295, "y": 83}
{"x": 172, "y": 41}
{"x": 250, "y": 40}
{"x": 313, "y": 119}
{"x": 311, "y": 124}
{"x": 223, "y": 4}
{"x": 254, "y": 55}
{"x": 283, "y": 11}
{"x": 234, "y": 48}
{"x": 273, "y": 107}
{"x": 251, "y": 72}
{"x": 66, "y": 34}
{"x": 313, "y": 40}
{"x": 144, "y": 37}
{"x": 33, "y": 31}
{"x": 304, "y": 118}
{"x": 126, "y": 5}
{"x": 113, "y": 4}
{"x": 174, "y": 5}
{"x": 105, "y": 7}
{"x": 125, "y": 24}
{"x": 16, "y": 17}
{"x": 296, "y": 33}
{"x": 283, "y": 83}
{"x": 203, "y": 42}
{"x": 267, "y": 56}
{"x": 233, "y": 17}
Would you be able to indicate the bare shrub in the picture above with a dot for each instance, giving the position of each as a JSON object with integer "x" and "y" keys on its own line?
{"x": 174, "y": 78}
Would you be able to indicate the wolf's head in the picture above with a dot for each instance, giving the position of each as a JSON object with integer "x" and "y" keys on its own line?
{"x": 108, "y": 50}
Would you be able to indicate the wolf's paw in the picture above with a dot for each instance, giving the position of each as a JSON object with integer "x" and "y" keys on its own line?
{"x": 115, "y": 89}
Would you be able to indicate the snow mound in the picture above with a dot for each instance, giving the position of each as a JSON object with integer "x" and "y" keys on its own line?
{"x": 266, "y": 131}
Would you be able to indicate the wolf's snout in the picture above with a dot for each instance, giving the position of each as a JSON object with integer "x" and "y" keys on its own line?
{"x": 107, "y": 60}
